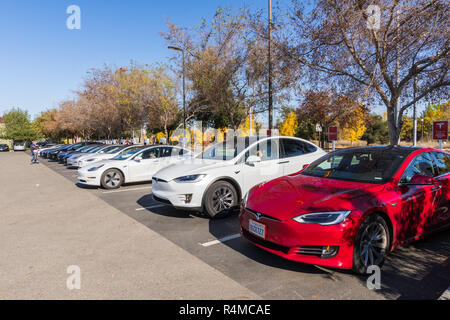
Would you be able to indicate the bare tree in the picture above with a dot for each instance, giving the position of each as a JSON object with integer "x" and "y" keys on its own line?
{"x": 347, "y": 44}
{"x": 224, "y": 60}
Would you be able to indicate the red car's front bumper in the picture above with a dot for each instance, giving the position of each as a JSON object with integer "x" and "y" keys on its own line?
{"x": 300, "y": 242}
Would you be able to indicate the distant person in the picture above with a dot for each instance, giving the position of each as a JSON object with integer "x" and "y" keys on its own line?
{"x": 34, "y": 151}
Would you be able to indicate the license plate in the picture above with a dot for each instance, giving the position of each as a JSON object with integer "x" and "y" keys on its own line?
{"x": 257, "y": 228}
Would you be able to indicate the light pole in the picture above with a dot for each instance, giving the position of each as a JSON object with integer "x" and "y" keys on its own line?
{"x": 184, "y": 87}
{"x": 415, "y": 113}
{"x": 270, "y": 68}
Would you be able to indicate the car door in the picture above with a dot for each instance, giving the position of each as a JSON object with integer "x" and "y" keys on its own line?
{"x": 141, "y": 167}
{"x": 296, "y": 154}
{"x": 442, "y": 213}
{"x": 418, "y": 201}
{"x": 269, "y": 168}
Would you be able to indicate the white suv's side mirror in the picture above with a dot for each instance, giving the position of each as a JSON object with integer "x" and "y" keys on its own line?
{"x": 251, "y": 160}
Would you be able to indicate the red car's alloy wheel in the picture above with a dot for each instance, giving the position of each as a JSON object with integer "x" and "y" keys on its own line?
{"x": 372, "y": 244}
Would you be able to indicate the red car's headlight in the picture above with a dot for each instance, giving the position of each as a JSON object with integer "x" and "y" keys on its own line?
{"x": 323, "y": 218}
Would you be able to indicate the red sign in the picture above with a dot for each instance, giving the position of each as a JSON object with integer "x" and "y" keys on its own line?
{"x": 332, "y": 133}
{"x": 440, "y": 130}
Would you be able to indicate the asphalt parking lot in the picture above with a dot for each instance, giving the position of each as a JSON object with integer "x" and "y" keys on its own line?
{"x": 418, "y": 271}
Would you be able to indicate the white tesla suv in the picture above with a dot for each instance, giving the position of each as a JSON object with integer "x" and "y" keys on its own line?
{"x": 135, "y": 165}
{"x": 216, "y": 180}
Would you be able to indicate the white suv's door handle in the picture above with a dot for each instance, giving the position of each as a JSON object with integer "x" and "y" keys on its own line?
{"x": 283, "y": 162}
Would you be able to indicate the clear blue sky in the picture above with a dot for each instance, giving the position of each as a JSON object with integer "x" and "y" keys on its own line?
{"x": 42, "y": 62}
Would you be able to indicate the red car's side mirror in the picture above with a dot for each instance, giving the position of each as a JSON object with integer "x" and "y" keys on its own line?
{"x": 421, "y": 179}
{"x": 304, "y": 167}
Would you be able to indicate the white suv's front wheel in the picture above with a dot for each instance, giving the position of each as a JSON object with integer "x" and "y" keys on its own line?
{"x": 220, "y": 199}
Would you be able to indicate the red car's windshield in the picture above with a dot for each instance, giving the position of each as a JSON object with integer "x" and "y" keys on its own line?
{"x": 377, "y": 165}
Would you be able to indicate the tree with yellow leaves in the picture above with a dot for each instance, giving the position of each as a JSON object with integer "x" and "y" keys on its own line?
{"x": 354, "y": 128}
{"x": 289, "y": 125}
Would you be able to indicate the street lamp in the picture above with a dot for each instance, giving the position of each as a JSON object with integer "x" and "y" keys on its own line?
{"x": 184, "y": 87}
{"x": 269, "y": 58}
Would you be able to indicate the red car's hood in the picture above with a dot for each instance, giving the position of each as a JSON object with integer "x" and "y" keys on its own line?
{"x": 287, "y": 197}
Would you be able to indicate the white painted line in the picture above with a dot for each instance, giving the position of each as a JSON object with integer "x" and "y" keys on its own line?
{"x": 445, "y": 295}
{"x": 221, "y": 240}
{"x": 151, "y": 207}
{"x": 123, "y": 190}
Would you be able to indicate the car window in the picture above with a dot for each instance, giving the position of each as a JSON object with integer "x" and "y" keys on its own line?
{"x": 126, "y": 154}
{"x": 266, "y": 150}
{"x": 370, "y": 166}
{"x": 151, "y": 153}
{"x": 442, "y": 163}
{"x": 166, "y": 152}
{"x": 421, "y": 164}
{"x": 115, "y": 150}
{"x": 107, "y": 149}
{"x": 294, "y": 148}
{"x": 228, "y": 149}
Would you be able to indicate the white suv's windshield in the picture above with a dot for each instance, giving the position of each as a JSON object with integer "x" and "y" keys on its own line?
{"x": 228, "y": 149}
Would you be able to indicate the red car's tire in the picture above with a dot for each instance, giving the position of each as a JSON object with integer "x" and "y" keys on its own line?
{"x": 372, "y": 243}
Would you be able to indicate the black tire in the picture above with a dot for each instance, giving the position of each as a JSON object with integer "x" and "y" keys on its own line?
{"x": 220, "y": 199}
{"x": 372, "y": 244}
{"x": 111, "y": 179}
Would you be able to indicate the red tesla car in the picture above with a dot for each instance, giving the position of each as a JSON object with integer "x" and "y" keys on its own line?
{"x": 349, "y": 208}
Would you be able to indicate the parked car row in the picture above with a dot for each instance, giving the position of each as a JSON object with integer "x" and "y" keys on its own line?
{"x": 346, "y": 209}
{"x": 4, "y": 147}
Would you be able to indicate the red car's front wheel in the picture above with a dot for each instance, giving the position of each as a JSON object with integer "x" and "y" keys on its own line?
{"x": 371, "y": 244}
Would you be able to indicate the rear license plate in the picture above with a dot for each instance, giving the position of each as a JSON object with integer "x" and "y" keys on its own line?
{"x": 257, "y": 228}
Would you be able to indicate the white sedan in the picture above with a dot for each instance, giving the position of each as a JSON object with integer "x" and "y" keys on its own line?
{"x": 135, "y": 165}
{"x": 113, "y": 151}
{"x": 218, "y": 179}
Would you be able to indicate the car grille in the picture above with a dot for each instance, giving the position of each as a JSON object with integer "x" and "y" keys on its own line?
{"x": 264, "y": 243}
{"x": 260, "y": 215}
{"x": 310, "y": 250}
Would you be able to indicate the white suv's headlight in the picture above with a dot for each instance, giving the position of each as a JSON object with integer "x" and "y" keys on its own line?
{"x": 191, "y": 178}
{"x": 323, "y": 218}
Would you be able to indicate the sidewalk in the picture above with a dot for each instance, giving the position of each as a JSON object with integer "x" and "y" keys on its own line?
{"x": 48, "y": 224}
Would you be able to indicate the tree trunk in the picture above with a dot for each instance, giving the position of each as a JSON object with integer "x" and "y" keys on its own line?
{"x": 394, "y": 130}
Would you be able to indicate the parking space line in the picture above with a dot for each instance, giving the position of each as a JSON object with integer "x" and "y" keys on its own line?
{"x": 123, "y": 190}
{"x": 221, "y": 240}
{"x": 445, "y": 295}
{"x": 151, "y": 207}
